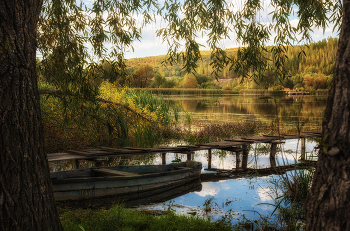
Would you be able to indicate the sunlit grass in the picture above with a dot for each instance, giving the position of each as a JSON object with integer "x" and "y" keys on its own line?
{"x": 119, "y": 218}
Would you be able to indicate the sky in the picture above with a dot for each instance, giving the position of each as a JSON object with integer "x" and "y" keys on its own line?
{"x": 151, "y": 45}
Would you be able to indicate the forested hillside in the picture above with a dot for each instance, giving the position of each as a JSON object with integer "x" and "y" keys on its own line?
{"x": 318, "y": 57}
{"x": 308, "y": 66}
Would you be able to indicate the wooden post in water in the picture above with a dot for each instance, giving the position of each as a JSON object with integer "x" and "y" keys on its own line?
{"x": 163, "y": 158}
{"x": 245, "y": 157}
{"x": 273, "y": 154}
{"x": 98, "y": 163}
{"x": 209, "y": 158}
{"x": 302, "y": 157}
{"x": 238, "y": 161}
{"x": 76, "y": 163}
{"x": 189, "y": 155}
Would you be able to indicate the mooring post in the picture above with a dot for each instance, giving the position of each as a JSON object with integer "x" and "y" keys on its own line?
{"x": 302, "y": 156}
{"x": 273, "y": 154}
{"x": 189, "y": 155}
{"x": 209, "y": 158}
{"x": 98, "y": 163}
{"x": 76, "y": 163}
{"x": 163, "y": 158}
{"x": 244, "y": 161}
{"x": 238, "y": 161}
{"x": 245, "y": 156}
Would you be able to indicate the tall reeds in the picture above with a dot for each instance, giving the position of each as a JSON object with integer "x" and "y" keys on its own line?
{"x": 135, "y": 119}
{"x": 185, "y": 91}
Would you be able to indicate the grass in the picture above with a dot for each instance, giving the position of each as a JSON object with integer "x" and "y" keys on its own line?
{"x": 185, "y": 91}
{"x": 119, "y": 218}
{"x": 260, "y": 92}
{"x": 217, "y": 131}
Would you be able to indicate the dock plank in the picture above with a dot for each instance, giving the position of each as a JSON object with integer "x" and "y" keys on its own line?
{"x": 81, "y": 153}
{"x": 228, "y": 144}
{"x": 113, "y": 172}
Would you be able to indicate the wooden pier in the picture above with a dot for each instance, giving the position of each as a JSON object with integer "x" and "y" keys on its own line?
{"x": 237, "y": 146}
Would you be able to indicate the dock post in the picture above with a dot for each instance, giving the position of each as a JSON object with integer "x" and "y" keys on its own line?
{"x": 209, "y": 158}
{"x": 76, "y": 164}
{"x": 238, "y": 161}
{"x": 98, "y": 163}
{"x": 245, "y": 160}
{"x": 302, "y": 157}
{"x": 245, "y": 156}
{"x": 163, "y": 158}
{"x": 189, "y": 155}
{"x": 273, "y": 155}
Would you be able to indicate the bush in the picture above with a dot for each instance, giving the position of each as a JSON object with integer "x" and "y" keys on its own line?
{"x": 189, "y": 81}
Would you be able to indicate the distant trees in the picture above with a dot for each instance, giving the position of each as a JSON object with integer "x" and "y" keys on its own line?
{"x": 319, "y": 58}
{"x": 142, "y": 76}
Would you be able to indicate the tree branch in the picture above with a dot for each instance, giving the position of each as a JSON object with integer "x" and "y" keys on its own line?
{"x": 59, "y": 93}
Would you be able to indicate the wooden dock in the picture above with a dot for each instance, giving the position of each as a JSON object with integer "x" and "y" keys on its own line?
{"x": 237, "y": 145}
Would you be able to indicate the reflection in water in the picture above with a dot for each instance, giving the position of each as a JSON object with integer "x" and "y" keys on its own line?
{"x": 305, "y": 112}
{"x": 258, "y": 157}
{"x": 238, "y": 196}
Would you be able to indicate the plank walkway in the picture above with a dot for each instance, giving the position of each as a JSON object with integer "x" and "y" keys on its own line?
{"x": 235, "y": 145}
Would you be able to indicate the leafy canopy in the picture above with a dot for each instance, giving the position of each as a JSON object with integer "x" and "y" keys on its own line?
{"x": 75, "y": 34}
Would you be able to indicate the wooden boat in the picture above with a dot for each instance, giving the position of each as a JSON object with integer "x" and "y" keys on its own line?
{"x": 124, "y": 182}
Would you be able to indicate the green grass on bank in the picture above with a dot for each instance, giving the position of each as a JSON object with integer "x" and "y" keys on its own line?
{"x": 186, "y": 91}
{"x": 196, "y": 91}
{"x": 119, "y": 218}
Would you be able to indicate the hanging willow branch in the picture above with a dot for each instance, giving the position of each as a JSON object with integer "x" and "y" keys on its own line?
{"x": 59, "y": 93}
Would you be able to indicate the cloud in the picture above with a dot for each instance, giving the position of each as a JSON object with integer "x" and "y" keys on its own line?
{"x": 208, "y": 189}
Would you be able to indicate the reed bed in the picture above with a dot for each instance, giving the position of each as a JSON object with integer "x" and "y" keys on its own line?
{"x": 260, "y": 92}
{"x": 185, "y": 91}
{"x": 218, "y": 131}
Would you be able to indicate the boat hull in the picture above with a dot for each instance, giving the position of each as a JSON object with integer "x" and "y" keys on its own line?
{"x": 85, "y": 184}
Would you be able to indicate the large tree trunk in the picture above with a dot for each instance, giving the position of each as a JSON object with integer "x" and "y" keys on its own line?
{"x": 26, "y": 196}
{"x": 328, "y": 203}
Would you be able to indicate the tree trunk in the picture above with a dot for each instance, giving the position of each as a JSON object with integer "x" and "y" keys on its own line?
{"x": 328, "y": 202}
{"x": 26, "y": 196}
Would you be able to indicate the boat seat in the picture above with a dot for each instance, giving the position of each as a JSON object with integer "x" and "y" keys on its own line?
{"x": 113, "y": 172}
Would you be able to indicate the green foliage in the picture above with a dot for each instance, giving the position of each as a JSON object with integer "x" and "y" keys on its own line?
{"x": 142, "y": 76}
{"x": 189, "y": 81}
{"x": 73, "y": 34}
{"x": 179, "y": 91}
{"x": 201, "y": 78}
{"x": 319, "y": 58}
{"x": 158, "y": 80}
{"x": 107, "y": 124}
{"x": 119, "y": 218}
{"x": 210, "y": 85}
{"x": 291, "y": 205}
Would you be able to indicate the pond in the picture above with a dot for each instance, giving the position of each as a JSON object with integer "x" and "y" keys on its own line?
{"x": 242, "y": 195}
{"x": 237, "y": 195}
{"x": 305, "y": 112}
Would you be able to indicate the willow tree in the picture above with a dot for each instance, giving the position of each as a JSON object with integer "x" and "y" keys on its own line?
{"x": 71, "y": 34}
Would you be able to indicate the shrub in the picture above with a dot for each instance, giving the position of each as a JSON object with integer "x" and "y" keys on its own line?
{"x": 189, "y": 81}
